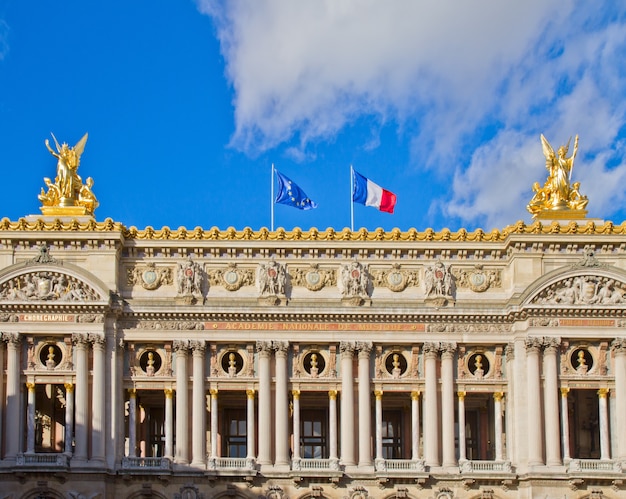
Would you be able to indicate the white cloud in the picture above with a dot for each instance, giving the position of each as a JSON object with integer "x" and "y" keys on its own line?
{"x": 304, "y": 70}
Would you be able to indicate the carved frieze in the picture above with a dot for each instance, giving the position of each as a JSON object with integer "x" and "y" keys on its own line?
{"x": 468, "y": 328}
{"x": 313, "y": 278}
{"x": 47, "y": 286}
{"x": 395, "y": 279}
{"x": 149, "y": 276}
{"x": 231, "y": 278}
{"x": 478, "y": 278}
{"x": 583, "y": 290}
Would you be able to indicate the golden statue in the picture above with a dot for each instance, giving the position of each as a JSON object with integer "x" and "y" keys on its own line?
{"x": 68, "y": 195}
{"x": 558, "y": 198}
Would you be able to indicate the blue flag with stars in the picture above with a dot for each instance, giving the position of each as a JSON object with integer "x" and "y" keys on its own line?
{"x": 290, "y": 194}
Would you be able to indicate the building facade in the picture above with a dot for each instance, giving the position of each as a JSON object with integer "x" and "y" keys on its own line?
{"x": 333, "y": 364}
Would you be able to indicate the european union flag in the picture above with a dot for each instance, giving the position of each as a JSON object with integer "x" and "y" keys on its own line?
{"x": 290, "y": 194}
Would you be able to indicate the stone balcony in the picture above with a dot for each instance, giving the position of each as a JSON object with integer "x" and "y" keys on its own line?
{"x": 43, "y": 461}
{"x": 594, "y": 466}
{"x": 146, "y": 464}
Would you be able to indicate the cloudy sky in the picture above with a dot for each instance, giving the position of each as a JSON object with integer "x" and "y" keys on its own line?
{"x": 189, "y": 103}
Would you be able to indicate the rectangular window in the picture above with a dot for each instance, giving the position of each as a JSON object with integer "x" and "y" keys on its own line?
{"x": 313, "y": 431}
{"x": 235, "y": 433}
{"x": 392, "y": 434}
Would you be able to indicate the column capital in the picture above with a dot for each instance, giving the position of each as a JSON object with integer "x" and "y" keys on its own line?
{"x": 30, "y": 386}
{"x": 264, "y": 348}
{"x": 250, "y": 393}
{"x": 198, "y": 347}
{"x": 97, "y": 340}
{"x": 498, "y": 396}
{"x": 533, "y": 345}
{"x": 13, "y": 339}
{"x": 431, "y": 349}
{"x": 213, "y": 392}
{"x": 603, "y": 392}
{"x": 618, "y": 346}
{"x": 180, "y": 346}
{"x": 448, "y": 350}
{"x": 415, "y": 395}
{"x": 461, "y": 395}
{"x": 364, "y": 348}
{"x": 378, "y": 394}
{"x": 346, "y": 348}
{"x": 332, "y": 394}
{"x": 80, "y": 340}
{"x": 281, "y": 348}
{"x": 551, "y": 344}
{"x": 295, "y": 394}
{"x": 69, "y": 387}
{"x": 564, "y": 391}
{"x": 132, "y": 392}
{"x": 169, "y": 393}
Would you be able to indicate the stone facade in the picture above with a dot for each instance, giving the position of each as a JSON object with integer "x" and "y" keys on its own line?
{"x": 199, "y": 364}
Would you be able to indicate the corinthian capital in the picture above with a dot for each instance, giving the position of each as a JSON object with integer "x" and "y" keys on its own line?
{"x": 551, "y": 344}
{"x": 364, "y": 347}
{"x": 198, "y": 346}
{"x": 346, "y": 348}
{"x": 533, "y": 345}
{"x": 181, "y": 346}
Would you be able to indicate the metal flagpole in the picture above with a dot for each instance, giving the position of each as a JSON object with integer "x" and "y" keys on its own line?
{"x": 351, "y": 200}
{"x": 272, "y": 196}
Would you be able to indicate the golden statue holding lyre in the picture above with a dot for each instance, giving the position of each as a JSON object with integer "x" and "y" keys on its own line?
{"x": 558, "y": 198}
{"x": 68, "y": 195}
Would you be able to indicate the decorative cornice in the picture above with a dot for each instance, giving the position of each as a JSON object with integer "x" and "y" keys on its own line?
{"x": 313, "y": 234}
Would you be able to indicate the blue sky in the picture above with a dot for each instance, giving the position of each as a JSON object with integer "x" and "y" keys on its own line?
{"x": 188, "y": 103}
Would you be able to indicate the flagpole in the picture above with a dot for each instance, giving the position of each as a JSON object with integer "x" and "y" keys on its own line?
{"x": 351, "y": 201}
{"x": 272, "y": 196}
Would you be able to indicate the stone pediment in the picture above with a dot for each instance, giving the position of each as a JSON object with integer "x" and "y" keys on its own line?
{"x": 583, "y": 290}
{"x": 47, "y": 285}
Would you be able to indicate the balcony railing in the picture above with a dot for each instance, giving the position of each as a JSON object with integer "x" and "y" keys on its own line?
{"x": 299, "y": 464}
{"x": 43, "y": 461}
{"x": 231, "y": 463}
{"x": 400, "y": 465}
{"x": 594, "y": 466}
{"x": 485, "y": 466}
{"x": 146, "y": 463}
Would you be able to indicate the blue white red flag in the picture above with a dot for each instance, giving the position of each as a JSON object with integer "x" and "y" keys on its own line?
{"x": 370, "y": 194}
{"x": 290, "y": 194}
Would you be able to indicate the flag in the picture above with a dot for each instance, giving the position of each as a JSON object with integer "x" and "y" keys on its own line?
{"x": 290, "y": 194}
{"x": 370, "y": 194}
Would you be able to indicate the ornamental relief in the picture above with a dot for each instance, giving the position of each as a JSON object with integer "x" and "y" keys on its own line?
{"x": 231, "y": 278}
{"x": 583, "y": 290}
{"x": 395, "y": 279}
{"x": 582, "y": 359}
{"x": 149, "y": 276}
{"x": 313, "y": 277}
{"x": 162, "y": 325}
{"x": 47, "y": 286}
{"x": 478, "y": 279}
{"x": 469, "y": 328}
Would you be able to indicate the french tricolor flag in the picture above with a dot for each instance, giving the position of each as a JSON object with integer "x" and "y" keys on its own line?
{"x": 366, "y": 192}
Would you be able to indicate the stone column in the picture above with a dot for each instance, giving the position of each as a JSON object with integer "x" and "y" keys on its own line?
{"x": 30, "y": 419}
{"x": 605, "y": 444}
{"x": 98, "y": 418}
{"x": 81, "y": 431}
{"x": 181, "y": 347}
{"x": 509, "y": 445}
{"x": 13, "y": 407}
{"x": 431, "y": 418}
{"x": 379, "y": 425}
{"x": 497, "y": 409}
{"x": 415, "y": 425}
{"x": 296, "y": 424}
{"x": 69, "y": 418}
{"x": 2, "y": 352}
{"x": 265, "y": 402}
{"x": 250, "y": 424}
{"x": 535, "y": 427}
{"x": 619, "y": 355}
{"x": 447, "y": 404}
{"x": 282, "y": 405}
{"x": 332, "y": 430}
{"x": 132, "y": 423}
{"x": 462, "y": 438}
{"x": 169, "y": 424}
{"x": 365, "y": 410}
{"x": 198, "y": 404}
{"x": 214, "y": 420}
{"x": 565, "y": 424}
{"x": 347, "y": 404}
{"x": 551, "y": 401}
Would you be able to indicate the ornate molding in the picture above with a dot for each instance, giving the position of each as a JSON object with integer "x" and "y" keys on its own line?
{"x": 231, "y": 278}
{"x": 47, "y": 286}
{"x": 395, "y": 279}
{"x": 149, "y": 276}
{"x": 313, "y": 278}
{"x": 583, "y": 290}
{"x": 478, "y": 278}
